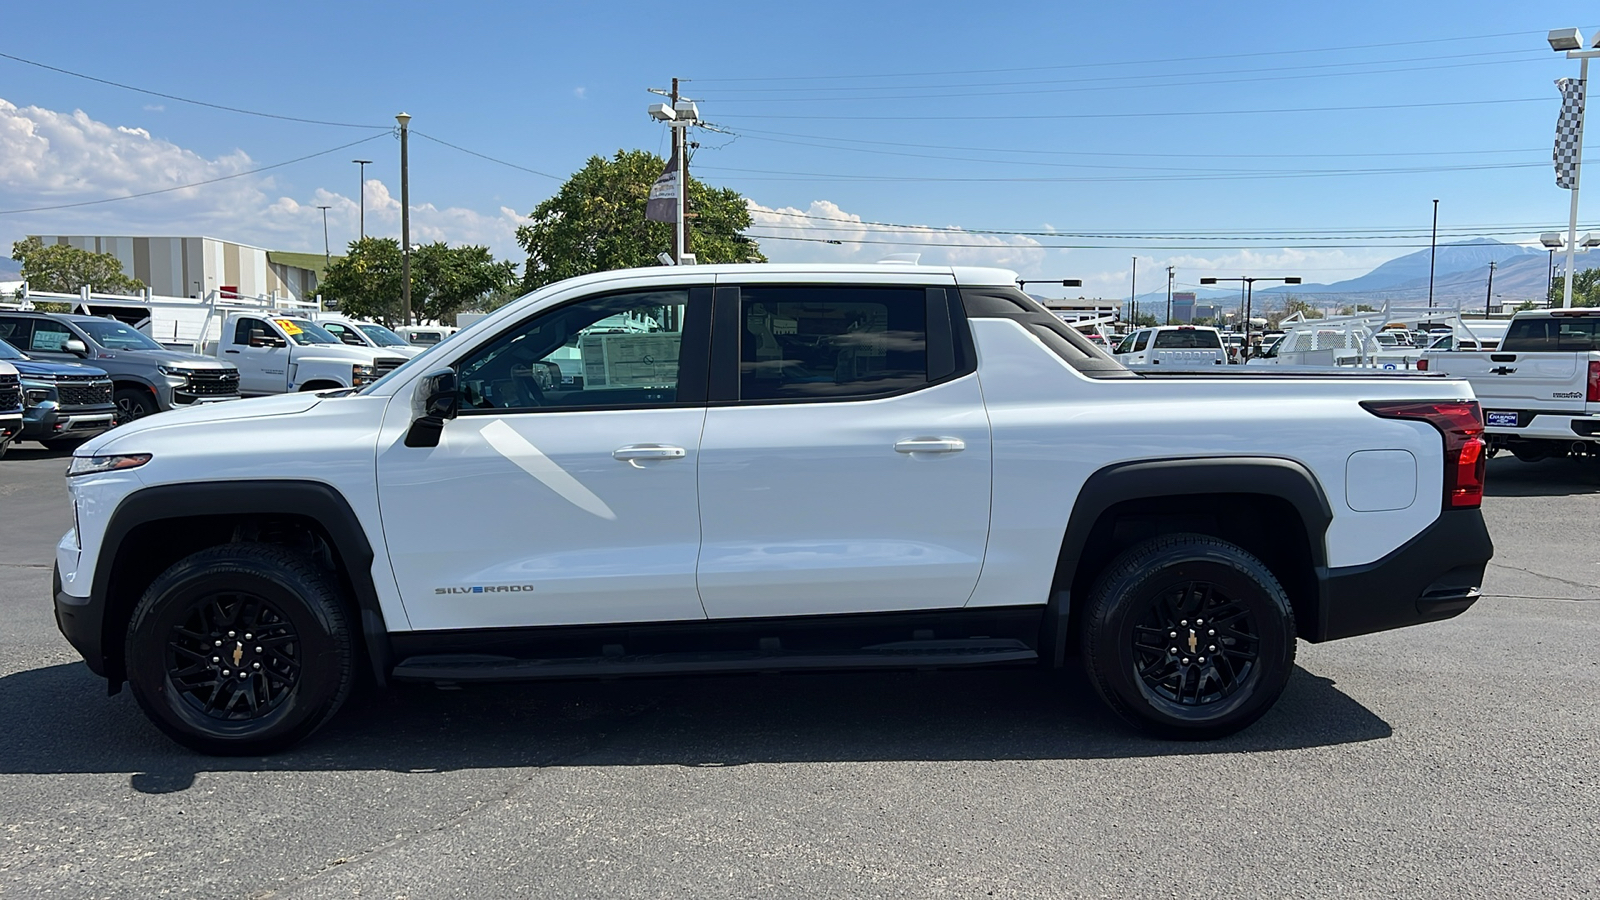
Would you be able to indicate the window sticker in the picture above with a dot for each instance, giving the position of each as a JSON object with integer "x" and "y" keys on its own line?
{"x": 288, "y": 327}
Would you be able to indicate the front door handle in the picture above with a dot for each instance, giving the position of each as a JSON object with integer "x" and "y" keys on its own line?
{"x": 648, "y": 451}
{"x": 930, "y": 445}
{"x": 230, "y": 351}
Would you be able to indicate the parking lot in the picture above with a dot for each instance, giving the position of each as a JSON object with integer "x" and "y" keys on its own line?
{"x": 1456, "y": 759}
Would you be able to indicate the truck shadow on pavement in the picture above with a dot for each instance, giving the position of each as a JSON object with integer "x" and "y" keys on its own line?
{"x": 58, "y": 720}
{"x": 36, "y": 451}
{"x": 1511, "y": 477}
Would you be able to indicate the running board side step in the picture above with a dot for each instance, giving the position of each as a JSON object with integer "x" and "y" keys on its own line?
{"x": 897, "y": 655}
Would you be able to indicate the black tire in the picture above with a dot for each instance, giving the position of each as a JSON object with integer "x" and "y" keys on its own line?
{"x": 134, "y": 403}
{"x": 1225, "y": 674}
{"x": 295, "y": 678}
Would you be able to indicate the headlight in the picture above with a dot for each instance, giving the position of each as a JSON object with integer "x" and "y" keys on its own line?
{"x": 95, "y": 465}
{"x": 35, "y": 396}
{"x": 174, "y": 371}
{"x": 360, "y": 375}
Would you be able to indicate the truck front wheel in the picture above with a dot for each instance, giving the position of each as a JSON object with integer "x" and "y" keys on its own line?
{"x": 1188, "y": 637}
{"x": 240, "y": 649}
{"x": 133, "y": 403}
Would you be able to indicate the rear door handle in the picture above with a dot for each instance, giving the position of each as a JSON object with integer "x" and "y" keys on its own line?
{"x": 930, "y": 445}
{"x": 230, "y": 351}
{"x": 648, "y": 451}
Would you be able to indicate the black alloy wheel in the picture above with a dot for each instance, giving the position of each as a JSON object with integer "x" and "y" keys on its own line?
{"x": 133, "y": 403}
{"x": 241, "y": 649}
{"x": 1188, "y": 636}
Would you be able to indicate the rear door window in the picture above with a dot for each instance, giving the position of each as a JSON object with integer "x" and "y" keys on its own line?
{"x": 16, "y": 330}
{"x": 1554, "y": 334}
{"x": 827, "y": 342}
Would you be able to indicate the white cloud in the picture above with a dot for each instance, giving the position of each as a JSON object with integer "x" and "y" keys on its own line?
{"x": 811, "y": 229}
{"x": 582, "y": 93}
{"x": 154, "y": 107}
{"x": 50, "y": 158}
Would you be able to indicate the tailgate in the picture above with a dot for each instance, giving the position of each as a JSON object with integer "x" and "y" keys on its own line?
{"x": 1185, "y": 358}
{"x": 1548, "y": 382}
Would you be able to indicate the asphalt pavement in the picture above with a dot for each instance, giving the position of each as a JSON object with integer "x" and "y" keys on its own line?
{"x": 1460, "y": 759}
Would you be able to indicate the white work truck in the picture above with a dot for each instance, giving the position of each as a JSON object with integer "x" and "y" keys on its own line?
{"x": 278, "y": 354}
{"x": 1174, "y": 346}
{"x": 1540, "y": 388}
{"x": 366, "y": 334}
{"x": 767, "y": 468}
{"x": 10, "y": 405}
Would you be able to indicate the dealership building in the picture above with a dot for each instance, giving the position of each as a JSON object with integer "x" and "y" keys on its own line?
{"x": 196, "y": 266}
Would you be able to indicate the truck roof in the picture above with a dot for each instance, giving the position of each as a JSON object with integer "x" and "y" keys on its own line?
{"x": 974, "y": 276}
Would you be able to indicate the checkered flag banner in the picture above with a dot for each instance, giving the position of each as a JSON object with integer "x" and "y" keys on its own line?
{"x": 1569, "y": 126}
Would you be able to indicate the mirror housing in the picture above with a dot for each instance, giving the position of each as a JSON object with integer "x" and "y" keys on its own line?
{"x": 441, "y": 399}
{"x": 75, "y": 347}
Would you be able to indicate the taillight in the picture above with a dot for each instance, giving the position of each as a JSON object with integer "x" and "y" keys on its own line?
{"x": 1593, "y": 396}
{"x": 1460, "y": 422}
{"x": 1422, "y": 365}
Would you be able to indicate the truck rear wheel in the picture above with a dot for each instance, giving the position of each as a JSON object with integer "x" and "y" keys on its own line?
{"x": 240, "y": 649}
{"x": 1188, "y": 637}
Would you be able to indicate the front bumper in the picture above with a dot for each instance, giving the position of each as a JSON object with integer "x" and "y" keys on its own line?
{"x": 1434, "y": 576}
{"x": 49, "y": 421}
{"x": 10, "y": 427}
{"x": 80, "y": 620}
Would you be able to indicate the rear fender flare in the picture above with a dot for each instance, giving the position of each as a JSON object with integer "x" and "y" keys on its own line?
{"x": 1268, "y": 476}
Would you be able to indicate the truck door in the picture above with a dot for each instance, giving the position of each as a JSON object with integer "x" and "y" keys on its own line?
{"x": 845, "y": 465}
{"x": 551, "y": 501}
{"x": 262, "y": 354}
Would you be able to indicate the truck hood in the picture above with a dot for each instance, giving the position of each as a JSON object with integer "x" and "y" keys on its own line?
{"x": 165, "y": 358}
{"x": 230, "y": 410}
{"x": 33, "y": 367}
{"x": 338, "y": 352}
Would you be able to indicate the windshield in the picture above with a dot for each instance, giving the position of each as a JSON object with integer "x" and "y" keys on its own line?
{"x": 381, "y": 336}
{"x": 306, "y": 332}
{"x": 1187, "y": 340}
{"x": 113, "y": 335}
{"x": 9, "y": 352}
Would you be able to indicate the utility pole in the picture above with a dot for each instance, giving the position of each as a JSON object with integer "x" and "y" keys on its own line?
{"x": 680, "y": 229}
{"x": 327, "y": 256}
{"x": 363, "y": 164}
{"x": 1488, "y": 295}
{"x": 1170, "y": 272}
{"x": 1133, "y": 294}
{"x": 405, "y": 222}
{"x": 1433, "y": 249}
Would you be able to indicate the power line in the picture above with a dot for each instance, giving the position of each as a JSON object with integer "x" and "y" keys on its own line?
{"x": 1168, "y": 114}
{"x": 176, "y": 98}
{"x": 8, "y": 212}
{"x": 779, "y": 175}
{"x": 1130, "y": 62}
{"x": 484, "y": 156}
{"x": 1039, "y": 246}
{"x": 1122, "y": 83}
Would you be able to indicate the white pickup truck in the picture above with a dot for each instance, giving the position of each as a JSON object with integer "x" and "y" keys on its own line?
{"x": 10, "y": 405}
{"x": 1174, "y": 346}
{"x": 278, "y": 354}
{"x": 1540, "y": 388}
{"x": 775, "y": 468}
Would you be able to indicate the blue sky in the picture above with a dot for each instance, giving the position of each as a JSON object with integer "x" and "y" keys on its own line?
{"x": 1107, "y": 119}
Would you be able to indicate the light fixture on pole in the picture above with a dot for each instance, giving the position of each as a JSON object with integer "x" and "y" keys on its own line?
{"x": 1249, "y": 284}
{"x": 405, "y": 221}
{"x": 679, "y": 115}
{"x": 363, "y": 164}
{"x": 1552, "y": 241}
{"x": 1569, "y": 133}
{"x": 1064, "y": 282}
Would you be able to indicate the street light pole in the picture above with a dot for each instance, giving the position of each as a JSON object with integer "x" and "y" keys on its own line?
{"x": 363, "y": 164}
{"x": 1133, "y": 294}
{"x": 1433, "y": 250}
{"x": 1170, "y": 272}
{"x": 1247, "y": 288}
{"x": 1571, "y": 41}
{"x": 405, "y": 222}
{"x": 1489, "y": 294}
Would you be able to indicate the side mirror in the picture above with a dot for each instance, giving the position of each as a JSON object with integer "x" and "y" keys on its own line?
{"x": 75, "y": 346}
{"x": 441, "y": 398}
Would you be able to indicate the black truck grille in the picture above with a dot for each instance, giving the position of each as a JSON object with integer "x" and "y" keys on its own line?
{"x": 208, "y": 384}
{"x": 385, "y": 365}
{"x": 83, "y": 392}
{"x": 10, "y": 393}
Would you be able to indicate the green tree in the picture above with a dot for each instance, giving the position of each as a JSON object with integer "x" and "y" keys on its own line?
{"x": 444, "y": 280}
{"x": 596, "y": 222}
{"x": 58, "y": 267}
{"x": 1585, "y": 289}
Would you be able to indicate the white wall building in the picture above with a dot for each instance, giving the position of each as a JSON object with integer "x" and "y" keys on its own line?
{"x": 195, "y": 266}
